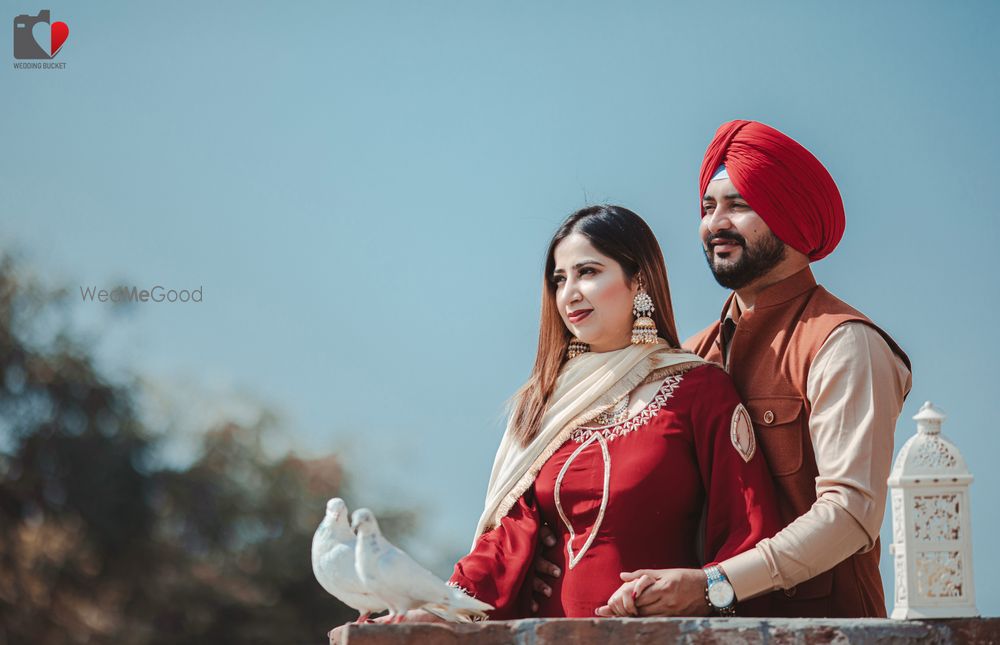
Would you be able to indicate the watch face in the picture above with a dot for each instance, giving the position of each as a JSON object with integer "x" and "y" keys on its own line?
{"x": 721, "y": 594}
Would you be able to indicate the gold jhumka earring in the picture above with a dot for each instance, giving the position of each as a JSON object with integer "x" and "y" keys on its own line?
{"x": 644, "y": 328}
{"x": 576, "y": 347}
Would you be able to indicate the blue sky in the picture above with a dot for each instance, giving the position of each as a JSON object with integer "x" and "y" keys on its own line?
{"x": 364, "y": 192}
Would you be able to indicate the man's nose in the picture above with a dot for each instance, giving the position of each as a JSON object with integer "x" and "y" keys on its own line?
{"x": 717, "y": 220}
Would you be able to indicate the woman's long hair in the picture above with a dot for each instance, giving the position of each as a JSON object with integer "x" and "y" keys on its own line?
{"x": 623, "y": 236}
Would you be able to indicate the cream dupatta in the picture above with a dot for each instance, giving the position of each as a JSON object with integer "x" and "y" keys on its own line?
{"x": 587, "y": 385}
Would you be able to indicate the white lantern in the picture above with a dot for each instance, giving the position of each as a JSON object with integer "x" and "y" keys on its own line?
{"x": 931, "y": 527}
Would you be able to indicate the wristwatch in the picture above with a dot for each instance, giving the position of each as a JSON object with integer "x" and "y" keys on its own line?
{"x": 719, "y": 593}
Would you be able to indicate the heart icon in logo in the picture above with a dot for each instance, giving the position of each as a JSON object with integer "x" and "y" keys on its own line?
{"x": 50, "y": 37}
{"x": 60, "y": 32}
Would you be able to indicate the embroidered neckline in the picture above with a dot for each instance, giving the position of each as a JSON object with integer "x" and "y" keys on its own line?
{"x": 633, "y": 423}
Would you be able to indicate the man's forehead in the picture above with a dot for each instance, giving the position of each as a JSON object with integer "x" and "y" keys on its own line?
{"x": 721, "y": 188}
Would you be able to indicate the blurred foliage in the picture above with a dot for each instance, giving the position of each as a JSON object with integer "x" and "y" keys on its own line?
{"x": 99, "y": 544}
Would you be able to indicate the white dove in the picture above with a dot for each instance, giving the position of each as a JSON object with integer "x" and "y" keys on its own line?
{"x": 333, "y": 562}
{"x": 397, "y": 580}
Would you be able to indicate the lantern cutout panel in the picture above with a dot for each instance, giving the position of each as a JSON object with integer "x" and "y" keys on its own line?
{"x": 931, "y": 528}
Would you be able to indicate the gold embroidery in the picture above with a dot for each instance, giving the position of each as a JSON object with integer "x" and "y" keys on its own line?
{"x": 605, "y": 493}
{"x": 641, "y": 418}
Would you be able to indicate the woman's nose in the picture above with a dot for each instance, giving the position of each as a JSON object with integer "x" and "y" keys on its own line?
{"x": 572, "y": 291}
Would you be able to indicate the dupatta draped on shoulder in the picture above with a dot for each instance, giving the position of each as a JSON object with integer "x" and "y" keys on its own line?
{"x": 587, "y": 386}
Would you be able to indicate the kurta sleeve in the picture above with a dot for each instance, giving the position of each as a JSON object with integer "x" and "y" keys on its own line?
{"x": 495, "y": 570}
{"x": 741, "y": 507}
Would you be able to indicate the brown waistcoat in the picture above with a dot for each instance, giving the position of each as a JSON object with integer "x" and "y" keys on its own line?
{"x": 769, "y": 358}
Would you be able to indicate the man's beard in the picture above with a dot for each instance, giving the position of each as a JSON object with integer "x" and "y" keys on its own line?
{"x": 754, "y": 261}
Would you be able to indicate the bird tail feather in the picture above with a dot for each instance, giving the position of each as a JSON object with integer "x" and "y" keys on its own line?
{"x": 461, "y": 600}
{"x": 459, "y": 607}
{"x": 455, "y": 615}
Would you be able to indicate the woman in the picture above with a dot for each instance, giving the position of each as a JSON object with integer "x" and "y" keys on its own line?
{"x": 636, "y": 453}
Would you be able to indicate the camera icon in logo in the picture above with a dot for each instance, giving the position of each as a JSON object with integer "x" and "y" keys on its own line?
{"x": 35, "y": 37}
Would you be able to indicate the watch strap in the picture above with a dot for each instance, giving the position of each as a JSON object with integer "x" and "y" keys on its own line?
{"x": 714, "y": 575}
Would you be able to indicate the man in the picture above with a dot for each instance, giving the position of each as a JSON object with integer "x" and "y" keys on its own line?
{"x": 822, "y": 383}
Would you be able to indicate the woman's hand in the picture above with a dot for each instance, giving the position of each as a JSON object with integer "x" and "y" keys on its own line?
{"x": 659, "y": 592}
{"x": 622, "y": 601}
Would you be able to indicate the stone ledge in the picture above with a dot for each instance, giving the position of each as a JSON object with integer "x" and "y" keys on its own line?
{"x": 694, "y": 631}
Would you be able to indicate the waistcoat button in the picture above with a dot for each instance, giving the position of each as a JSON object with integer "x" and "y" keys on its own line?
{"x": 768, "y": 417}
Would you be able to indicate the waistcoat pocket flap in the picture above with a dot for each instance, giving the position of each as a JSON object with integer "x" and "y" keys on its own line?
{"x": 774, "y": 411}
{"x": 777, "y": 422}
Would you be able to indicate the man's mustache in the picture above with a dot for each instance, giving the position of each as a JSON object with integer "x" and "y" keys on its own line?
{"x": 731, "y": 236}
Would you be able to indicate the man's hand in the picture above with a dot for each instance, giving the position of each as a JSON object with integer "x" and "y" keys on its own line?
{"x": 659, "y": 592}
{"x": 543, "y": 567}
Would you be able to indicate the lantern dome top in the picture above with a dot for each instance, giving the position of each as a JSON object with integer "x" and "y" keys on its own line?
{"x": 928, "y": 456}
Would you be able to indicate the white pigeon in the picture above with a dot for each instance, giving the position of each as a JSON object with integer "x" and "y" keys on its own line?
{"x": 333, "y": 562}
{"x": 397, "y": 580}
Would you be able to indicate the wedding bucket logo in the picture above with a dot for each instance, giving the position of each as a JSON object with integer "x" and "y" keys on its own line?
{"x": 38, "y": 38}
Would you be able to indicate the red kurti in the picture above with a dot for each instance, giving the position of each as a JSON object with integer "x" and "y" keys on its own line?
{"x": 627, "y": 497}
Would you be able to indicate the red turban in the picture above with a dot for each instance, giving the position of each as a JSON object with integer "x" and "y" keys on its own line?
{"x": 782, "y": 181}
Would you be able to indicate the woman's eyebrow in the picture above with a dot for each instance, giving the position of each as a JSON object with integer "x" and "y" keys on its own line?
{"x": 580, "y": 265}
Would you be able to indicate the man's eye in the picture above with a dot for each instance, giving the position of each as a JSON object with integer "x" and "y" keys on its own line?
{"x": 708, "y": 207}
{"x": 740, "y": 205}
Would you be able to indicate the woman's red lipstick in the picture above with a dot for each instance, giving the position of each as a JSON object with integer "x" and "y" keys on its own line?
{"x": 578, "y": 315}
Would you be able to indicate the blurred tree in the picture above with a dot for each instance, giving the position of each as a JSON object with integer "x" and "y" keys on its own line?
{"x": 99, "y": 546}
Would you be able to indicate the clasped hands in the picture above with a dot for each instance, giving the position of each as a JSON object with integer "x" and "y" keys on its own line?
{"x": 658, "y": 592}
{"x": 646, "y": 592}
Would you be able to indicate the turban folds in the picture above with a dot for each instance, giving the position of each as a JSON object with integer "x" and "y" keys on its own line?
{"x": 782, "y": 182}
